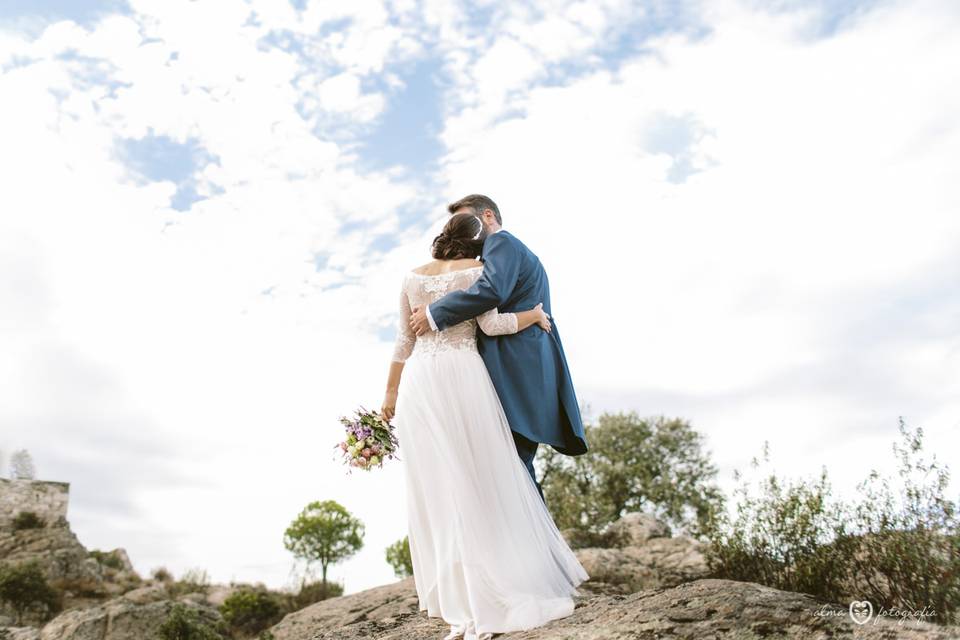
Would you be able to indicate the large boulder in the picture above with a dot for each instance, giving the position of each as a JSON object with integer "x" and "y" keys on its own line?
{"x": 83, "y": 577}
{"x": 708, "y": 608}
{"x": 19, "y": 633}
{"x": 56, "y": 548}
{"x": 645, "y": 557}
{"x": 661, "y": 562}
{"x": 397, "y": 601}
{"x": 118, "y": 619}
{"x": 650, "y": 585}
{"x": 153, "y": 592}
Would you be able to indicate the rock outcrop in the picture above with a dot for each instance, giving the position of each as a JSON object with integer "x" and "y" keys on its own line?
{"x": 83, "y": 577}
{"x": 119, "y": 619}
{"x": 651, "y": 585}
{"x": 647, "y": 557}
{"x": 705, "y": 608}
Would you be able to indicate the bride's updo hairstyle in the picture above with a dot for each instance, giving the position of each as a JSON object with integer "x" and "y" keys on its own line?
{"x": 462, "y": 237}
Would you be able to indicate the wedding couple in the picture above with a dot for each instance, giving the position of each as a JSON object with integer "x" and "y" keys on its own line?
{"x": 470, "y": 409}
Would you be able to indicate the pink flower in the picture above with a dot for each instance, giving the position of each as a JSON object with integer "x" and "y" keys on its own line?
{"x": 343, "y": 445}
{"x": 366, "y": 453}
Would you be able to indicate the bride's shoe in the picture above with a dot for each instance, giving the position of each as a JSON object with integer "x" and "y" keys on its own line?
{"x": 456, "y": 631}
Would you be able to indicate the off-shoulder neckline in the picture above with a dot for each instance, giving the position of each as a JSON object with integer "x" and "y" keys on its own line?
{"x": 445, "y": 273}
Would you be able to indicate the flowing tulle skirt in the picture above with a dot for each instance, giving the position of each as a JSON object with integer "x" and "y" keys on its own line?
{"x": 485, "y": 550}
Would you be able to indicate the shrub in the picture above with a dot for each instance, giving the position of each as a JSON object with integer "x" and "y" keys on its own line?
{"x": 907, "y": 551}
{"x": 24, "y": 588}
{"x": 398, "y": 557}
{"x": 897, "y": 548}
{"x": 193, "y": 581}
{"x": 779, "y": 537}
{"x": 184, "y": 623}
{"x": 584, "y": 538}
{"x": 80, "y": 587}
{"x": 107, "y": 559}
{"x": 251, "y": 610}
{"x": 655, "y": 465}
{"x": 161, "y": 574}
{"x": 27, "y": 520}
{"x": 311, "y": 592}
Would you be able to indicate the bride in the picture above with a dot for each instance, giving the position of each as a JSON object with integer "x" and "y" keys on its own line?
{"x": 487, "y": 556}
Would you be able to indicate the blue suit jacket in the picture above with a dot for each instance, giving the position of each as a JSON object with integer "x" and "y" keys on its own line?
{"x": 529, "y": 369}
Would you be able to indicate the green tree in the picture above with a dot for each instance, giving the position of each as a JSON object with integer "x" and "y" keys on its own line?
{"x": 324, "y": 532}
{"x": 655, "y": 465}
{"x": 398, "y": 557}
{"x": 24, "y": 588}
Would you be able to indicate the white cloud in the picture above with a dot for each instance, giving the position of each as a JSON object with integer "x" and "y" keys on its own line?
{"x": 242, "y": 388}
{"x": 342, "y": 94}
{"x": 819, "y": 180}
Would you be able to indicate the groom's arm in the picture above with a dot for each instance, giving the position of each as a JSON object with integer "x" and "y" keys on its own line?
{"x": 501, "y": 269}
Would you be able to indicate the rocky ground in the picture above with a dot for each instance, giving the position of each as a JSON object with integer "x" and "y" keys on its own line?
{"x": 698, "y": 610}
{"x": 104, "y": 598}
{"x": 651, "y": 585}
{"x": 83, "y": 577}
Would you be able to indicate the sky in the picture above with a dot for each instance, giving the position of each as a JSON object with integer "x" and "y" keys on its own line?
{"x": 748, "y": 210}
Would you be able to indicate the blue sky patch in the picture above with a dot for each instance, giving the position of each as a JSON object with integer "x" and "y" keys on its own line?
{"x": 83, "y": 12}
{"x": 406, "y": 134}
{"x": 157, "y": 158}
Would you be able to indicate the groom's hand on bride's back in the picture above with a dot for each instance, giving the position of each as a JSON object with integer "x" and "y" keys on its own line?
{"x": 418, "y": 321}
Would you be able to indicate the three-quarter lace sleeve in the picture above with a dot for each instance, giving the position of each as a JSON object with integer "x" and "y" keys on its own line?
{"x": 494, "y": 323}
{"x": 406, "y": 338}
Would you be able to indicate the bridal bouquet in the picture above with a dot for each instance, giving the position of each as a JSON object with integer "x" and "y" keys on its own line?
{"x": 370, "y": 440}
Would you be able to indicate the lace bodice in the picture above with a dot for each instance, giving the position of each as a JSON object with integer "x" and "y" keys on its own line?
{"x": 420, "y": 290}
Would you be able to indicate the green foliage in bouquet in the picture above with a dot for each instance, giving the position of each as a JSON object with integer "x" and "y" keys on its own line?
{"x": 370, "y": 439}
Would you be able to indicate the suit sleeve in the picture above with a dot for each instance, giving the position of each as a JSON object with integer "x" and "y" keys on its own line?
{"x": 501, "y": 269}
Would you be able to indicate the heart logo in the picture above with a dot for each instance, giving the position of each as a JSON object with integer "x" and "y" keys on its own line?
{"x": 861, "y": 611}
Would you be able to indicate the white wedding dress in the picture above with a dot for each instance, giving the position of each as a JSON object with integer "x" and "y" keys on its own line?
{"x": 487, "y": 556}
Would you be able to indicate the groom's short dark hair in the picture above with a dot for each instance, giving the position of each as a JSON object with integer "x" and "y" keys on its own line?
{"x": 478, "y": 203}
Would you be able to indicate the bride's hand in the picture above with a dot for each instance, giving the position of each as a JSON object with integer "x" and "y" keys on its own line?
{"x": 543, "y": 318}
{"x": 389, "y": 408}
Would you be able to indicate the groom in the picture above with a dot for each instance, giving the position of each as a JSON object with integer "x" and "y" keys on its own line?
{"x": 528, "y": 369}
